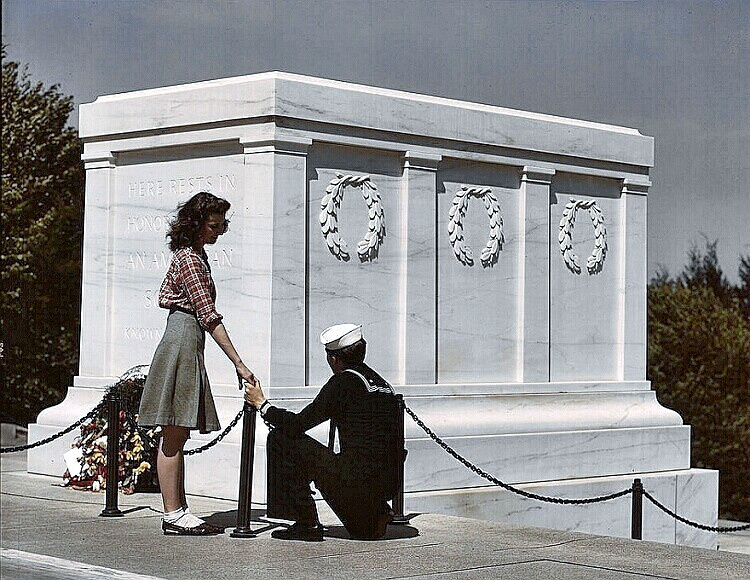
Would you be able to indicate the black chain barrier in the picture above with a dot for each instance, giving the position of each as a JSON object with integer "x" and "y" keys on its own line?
{"x": 221, "y": 436}
{"x": 94, "y": 413}
{"x": 90, "y": 415}
{"x": 720, "y": 529}
{"x": 448, "y": 449}
{"x": 130, "y": 374}
{"x": 144, "y": 433}
{"x": 488, "y": 477}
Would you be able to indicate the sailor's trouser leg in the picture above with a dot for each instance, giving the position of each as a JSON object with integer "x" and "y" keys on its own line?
{"x": 294, "y": 461}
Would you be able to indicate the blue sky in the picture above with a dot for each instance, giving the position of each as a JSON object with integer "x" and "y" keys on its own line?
{"x": 678, "y": 71}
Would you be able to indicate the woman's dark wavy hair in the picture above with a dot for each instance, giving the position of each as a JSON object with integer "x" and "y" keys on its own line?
{"x": 184, "y": 229}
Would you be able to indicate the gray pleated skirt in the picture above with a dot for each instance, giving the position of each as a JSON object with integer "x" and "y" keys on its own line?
{"x": 177, "y": 391}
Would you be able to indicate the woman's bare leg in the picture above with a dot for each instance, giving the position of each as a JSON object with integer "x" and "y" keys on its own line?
{"x": 183, "y": 499}
{"x": 169, "y": 466}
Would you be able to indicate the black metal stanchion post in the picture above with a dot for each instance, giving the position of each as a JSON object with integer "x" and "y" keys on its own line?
{"x": 636, "y": 522}
{"x": 113, "y": 451}
{"x": 398, "y": 501}
{"x": 247, "y": 457}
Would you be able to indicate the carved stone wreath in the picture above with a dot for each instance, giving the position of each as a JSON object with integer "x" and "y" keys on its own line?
{"x": 369, "y": 246}
{"x": 456, "y": 215}
{"x": 595, "y": 261}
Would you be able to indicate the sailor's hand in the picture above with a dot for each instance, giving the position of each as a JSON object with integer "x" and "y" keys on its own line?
{"x": 254, "y": 394}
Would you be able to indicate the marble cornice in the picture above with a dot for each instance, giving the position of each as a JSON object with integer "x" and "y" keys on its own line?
{"x": 540, "y": 175}
{"x": 315, "y": 100}
{"x": 295, "y": 140}
{"x": 421, "y": 160}
{"x": 630, "y": 186}
{"x": 100, "y": 160}
{"x": 268, "y": 140}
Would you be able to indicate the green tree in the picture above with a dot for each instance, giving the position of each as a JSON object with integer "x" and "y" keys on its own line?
{"x": 40, "y": 258}
{"x": 703, "y": 271}
{"x": 699, "y": 365}
{"x": 744, "y": 291}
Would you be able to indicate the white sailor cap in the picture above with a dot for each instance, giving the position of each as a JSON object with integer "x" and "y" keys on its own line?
{"x": 340, "y": 336}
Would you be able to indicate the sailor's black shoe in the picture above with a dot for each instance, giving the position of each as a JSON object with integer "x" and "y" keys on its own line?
{"x": 302, "y": 532}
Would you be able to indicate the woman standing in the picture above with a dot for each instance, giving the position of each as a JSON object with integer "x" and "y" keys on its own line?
{"x": 177, "y": 394}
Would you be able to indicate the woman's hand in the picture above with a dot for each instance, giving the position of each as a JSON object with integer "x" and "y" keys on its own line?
{"x": 254, "y": 394}
{"x": 245, "y": 374}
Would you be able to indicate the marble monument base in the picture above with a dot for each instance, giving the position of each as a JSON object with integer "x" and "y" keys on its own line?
{"x": 610, "y": 433}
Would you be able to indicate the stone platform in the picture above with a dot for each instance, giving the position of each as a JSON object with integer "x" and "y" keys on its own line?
{"x": 517, "y": 445}
{"x": 78, "y": 544}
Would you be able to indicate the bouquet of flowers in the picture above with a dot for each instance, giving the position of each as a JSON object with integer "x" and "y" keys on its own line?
{"x": 87, "y": 459}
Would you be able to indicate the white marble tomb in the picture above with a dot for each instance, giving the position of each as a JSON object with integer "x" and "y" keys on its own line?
{"x": 496, "y": 258}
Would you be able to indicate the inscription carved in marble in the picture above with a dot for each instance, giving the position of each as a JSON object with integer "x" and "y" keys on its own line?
{"x": 221, "y": 258}
{"x": 143, "y": 333}
{"x": 147, "y": 223}
{"x": 151, "y": 298}
{"x": 463, "y": 251}
{"x": 221, "y": 183}
{"x": 595, "y": 261}
{"x": 369, "y": 246}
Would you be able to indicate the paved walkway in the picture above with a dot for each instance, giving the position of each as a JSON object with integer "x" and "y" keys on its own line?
{"x": 48, "y": 531}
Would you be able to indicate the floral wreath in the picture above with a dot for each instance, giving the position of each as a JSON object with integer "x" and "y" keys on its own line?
{"x": 369, "y": 246}
{"x": 456, "y": 215}
{"x": 137, "y": 453}
{"x": 595, "y": 261}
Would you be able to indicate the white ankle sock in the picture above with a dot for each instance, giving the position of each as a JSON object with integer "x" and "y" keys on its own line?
{"x": 172, "y": 517}
{"x": 182, "y": 517}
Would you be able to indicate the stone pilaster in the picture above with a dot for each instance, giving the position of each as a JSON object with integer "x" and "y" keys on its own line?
{"x": 533, "y": 364}
{"x": 634, "y": 198}
{"x": 273, "y": 336}
{"x": 98, "y": 262}
{"x": 419, "y": 272}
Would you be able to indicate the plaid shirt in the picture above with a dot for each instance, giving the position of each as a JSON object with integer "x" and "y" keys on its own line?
{"x": 188, "y": 285}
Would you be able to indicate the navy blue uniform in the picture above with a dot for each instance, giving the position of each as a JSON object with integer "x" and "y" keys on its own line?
{"x": 358, "y": 480}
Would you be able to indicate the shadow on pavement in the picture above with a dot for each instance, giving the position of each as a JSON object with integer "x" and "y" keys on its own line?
{"x": 140, "y": 508}
{"x": 228, "y": 520}
{"x": 392, "y": 533}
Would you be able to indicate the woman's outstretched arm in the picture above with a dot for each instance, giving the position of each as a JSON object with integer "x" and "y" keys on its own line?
{"x": 219, "y": 334}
